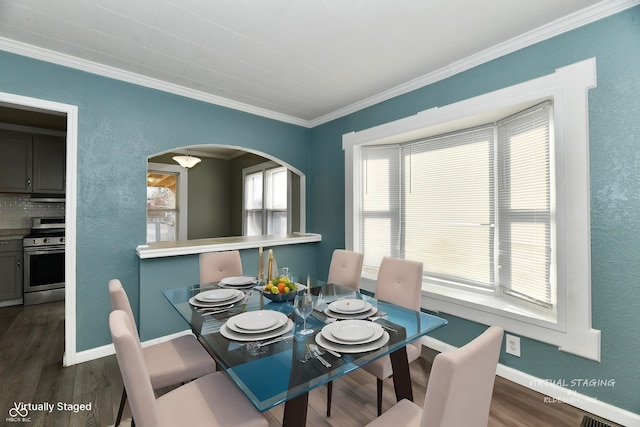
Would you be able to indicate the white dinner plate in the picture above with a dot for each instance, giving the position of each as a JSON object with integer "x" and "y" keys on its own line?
{"x": 231, "y": 325}
{"x": 352, "y": 332}
{"x": 235, "y": 336}
{"x": 343, "y": 316}
{"x": 238, "y": 281}
{"x": 253, "y": 322}
{"x": 352, "y": 348}
{"x": 217, "y": 295}
{"x": 349, "y": 306}
{"x": 194, "y": 301}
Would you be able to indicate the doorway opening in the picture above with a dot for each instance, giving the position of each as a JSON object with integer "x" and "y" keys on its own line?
{"x": 32, "y": 110}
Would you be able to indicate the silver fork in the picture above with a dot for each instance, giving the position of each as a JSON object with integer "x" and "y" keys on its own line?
{"x": 316, "y": 353}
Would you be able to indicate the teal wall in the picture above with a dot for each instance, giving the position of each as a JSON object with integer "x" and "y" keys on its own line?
{"x": 121, "y": 124}
{"x": 614, "y": 114}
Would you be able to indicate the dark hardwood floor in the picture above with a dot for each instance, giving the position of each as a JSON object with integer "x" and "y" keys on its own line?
{"x": 32, "y": 345}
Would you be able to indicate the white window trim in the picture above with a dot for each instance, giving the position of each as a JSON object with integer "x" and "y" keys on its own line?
{"x": 263, "y": 167}
{"x": 567, "y": 87}
{"x": 183, "y": 193}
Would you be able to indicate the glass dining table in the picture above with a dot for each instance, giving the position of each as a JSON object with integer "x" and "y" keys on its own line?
{"x": 270, "y": 374}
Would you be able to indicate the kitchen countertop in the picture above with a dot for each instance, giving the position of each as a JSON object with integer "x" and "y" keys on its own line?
{"x": 13, "y": 233}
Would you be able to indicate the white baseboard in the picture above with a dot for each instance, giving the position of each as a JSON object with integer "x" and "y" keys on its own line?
{"x": 555, "y": 392}
{"x": 108, "y": 350}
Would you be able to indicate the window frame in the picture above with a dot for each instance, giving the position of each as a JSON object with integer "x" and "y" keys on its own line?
{"x": 571, "y": 331}
{"x": 264, "y": 168}
{"x": 182, "y": 196}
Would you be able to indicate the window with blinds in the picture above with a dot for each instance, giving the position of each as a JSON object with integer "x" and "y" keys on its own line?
{"x": 473, "y": 205}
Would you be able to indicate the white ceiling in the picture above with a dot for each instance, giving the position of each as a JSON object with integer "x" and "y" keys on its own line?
{"x": 301, "y": 61}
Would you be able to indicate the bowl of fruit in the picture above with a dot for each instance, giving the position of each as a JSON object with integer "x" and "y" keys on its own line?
{"x": 281, "y": 289}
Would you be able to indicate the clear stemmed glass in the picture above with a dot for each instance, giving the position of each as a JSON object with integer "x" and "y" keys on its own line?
{"x": 303, "y": 305}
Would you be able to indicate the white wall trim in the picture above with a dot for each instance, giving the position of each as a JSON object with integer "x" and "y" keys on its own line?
{"x": 137, "y": 79}
{"x": 109, "y": 349}
{"x": 71, "y": 112}
{"x": 586, "y": 16}
{"x": 571, "y": 331}
{"x": 550, "y": 388}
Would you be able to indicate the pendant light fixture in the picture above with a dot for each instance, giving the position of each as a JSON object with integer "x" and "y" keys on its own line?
{"x": 187, "y": 161}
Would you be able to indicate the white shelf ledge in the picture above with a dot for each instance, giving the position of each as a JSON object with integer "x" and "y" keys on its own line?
{"x": 191, "y": 247}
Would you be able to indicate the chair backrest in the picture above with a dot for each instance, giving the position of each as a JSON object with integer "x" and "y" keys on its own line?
{"x": 134, "y": 370}
{"x": 345, "y": 268}
{"x": 215, "y": 266}
{"x": 400, "y": 282}
{"x": 461, "y": 383}
{"x": 119, "y": 299}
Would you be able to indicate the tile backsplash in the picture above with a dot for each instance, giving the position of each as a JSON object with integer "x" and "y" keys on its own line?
{"x": 16, "y": 210}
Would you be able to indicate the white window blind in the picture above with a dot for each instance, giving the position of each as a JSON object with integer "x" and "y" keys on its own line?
{"x": 472, "y": 205}
{"x": 525, "y": 205}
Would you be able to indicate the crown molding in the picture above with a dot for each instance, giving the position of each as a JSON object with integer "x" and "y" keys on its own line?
{"x": 65, "y": 60}
{"x": 578, "y": 19}
{"x": 586, "y": 16}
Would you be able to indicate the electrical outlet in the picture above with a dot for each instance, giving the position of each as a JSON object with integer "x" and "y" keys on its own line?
{"x": 513, "y": 345}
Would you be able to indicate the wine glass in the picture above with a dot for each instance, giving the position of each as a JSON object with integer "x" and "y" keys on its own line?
{"x": 303, "y": 305}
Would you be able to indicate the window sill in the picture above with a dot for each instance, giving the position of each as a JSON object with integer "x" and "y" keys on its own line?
{"x": 488, "y": 310}
{"x": 487, "y": 302}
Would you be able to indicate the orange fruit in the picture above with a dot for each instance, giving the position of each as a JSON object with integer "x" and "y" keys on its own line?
{"x": 281, "y": 287}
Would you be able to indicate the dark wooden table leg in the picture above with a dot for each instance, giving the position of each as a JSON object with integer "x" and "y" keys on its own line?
{"x": 295, "y": 411}
{"x": 401, "y": 374}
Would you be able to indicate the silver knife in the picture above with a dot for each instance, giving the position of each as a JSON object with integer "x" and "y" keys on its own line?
{"x": 275, "y": 340}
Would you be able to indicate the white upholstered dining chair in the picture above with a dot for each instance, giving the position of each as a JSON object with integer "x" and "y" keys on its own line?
{"x": 167, "y": 363}
{"x": 345, "y": 268}
{"x": 215, "y": 266}
{"x": 210, "y": 400}
{"x": 399, "y": 282}
{"x": 459, "y": 390}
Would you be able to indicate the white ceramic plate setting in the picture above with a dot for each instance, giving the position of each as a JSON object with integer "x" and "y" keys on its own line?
{"x": 349, "y": 306}
{"x": 217, "y": 295}
{"x": 341, "y": 316}
{"x": 352, "y": 332}
{"x": 201, "y": 304}
{"x": 238, "y": 281}
{"x": 352, "y": 348}
{"x": 235, "y": 336}
{"x": 255, "y": 322}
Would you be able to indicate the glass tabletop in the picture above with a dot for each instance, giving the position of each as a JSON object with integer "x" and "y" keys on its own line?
{"x": 277, "y": 372}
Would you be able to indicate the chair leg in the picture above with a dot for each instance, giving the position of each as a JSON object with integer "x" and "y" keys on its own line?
{"x": 123, "y": 400}
{"x": 329, "y": 391}
{"x": 379, "y": 384}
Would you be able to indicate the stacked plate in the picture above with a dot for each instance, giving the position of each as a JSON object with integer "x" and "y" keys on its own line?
{"x": 237, "y": 282}
{"x": 352, "y": 336}
{"x": 216, "y": 298}
{"x": 256, "y": 326}
{"x": 348, "y": 309}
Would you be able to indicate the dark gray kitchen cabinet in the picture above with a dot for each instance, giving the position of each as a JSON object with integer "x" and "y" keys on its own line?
{"x": 49, "y": 171}
{"x": 15, "y": 161}
{"x": 32, "y": 163}
{"x": 11, "y": 274}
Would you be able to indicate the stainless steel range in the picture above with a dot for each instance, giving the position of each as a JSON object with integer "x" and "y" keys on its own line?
{"x": 44, "y": 261}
